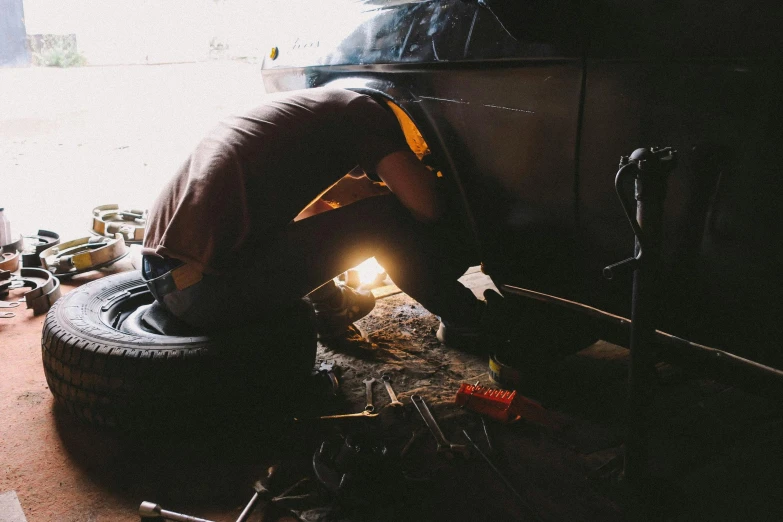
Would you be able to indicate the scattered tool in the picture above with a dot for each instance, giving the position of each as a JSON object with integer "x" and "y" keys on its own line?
{"x": 443, "y": 444}
{"x": 326, "y": 369}
{"x": 363, "y": 414}
{"x": 408, "y": 445}
{"x": 501, "y": 405}
{"x": 357, "y": 469}
{"x": 262, "y": 492}
{"x": 151, "y": 510}
{"x": 386, "y": 378}
{"x": 503, "y": 478}
{"x": 486, "y": 434}
{"x": 369, "y": 408}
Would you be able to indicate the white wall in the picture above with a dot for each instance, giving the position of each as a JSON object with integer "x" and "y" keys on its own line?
{"x": 155, "y": 31}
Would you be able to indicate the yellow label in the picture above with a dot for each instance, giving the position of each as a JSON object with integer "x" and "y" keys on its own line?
{"x": 82, "y": 261}
{"x": 186, "y": 276}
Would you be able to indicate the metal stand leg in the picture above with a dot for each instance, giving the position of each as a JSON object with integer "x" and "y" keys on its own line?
{"x": 650, "y": 169}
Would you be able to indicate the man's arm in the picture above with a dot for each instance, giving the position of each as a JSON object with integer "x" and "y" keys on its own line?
{"x": 413, "y": 184}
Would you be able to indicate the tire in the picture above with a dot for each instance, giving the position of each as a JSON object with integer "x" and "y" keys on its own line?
{"x": 108, "y": 377}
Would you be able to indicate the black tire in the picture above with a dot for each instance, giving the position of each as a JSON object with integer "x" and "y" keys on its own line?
{"x": 111, "y": 378}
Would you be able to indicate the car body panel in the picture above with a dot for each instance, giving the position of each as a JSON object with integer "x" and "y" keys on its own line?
{"x": 529, "y": 118}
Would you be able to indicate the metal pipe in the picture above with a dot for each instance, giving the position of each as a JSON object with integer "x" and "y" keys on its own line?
{"x": 652, "y": 168}
{"x": 500, "y": 475}
{"x": 705, "y": 360}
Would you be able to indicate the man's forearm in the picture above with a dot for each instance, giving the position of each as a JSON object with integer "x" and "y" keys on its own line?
{"x": 413, "y": 184}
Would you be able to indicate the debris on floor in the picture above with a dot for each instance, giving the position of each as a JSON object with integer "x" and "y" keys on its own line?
{"x": 556, "y": 456}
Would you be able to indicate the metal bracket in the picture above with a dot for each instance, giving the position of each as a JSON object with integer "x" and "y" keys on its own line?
{"x": 9, "y": 261}
{"x": 37, "y": 243}
{"x": 110, "y": 220}
{"x": 42, "y": 297}
{"x": 82, "y": 255}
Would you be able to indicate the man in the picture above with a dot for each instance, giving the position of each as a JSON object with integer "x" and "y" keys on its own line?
{"x": 222, "y": 247}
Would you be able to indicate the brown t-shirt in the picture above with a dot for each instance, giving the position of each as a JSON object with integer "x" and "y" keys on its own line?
{"x": 254, "y": 172}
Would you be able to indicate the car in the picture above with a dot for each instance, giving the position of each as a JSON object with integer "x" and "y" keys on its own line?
{"x": 527, "y": 107}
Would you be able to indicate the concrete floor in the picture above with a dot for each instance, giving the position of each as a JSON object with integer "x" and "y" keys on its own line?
{"x": 716, "y": 451}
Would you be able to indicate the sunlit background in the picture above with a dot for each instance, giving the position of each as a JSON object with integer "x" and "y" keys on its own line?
{"x": 115, "y": 95}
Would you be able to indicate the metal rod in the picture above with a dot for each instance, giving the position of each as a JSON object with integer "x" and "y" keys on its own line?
{"x": 713, "y": 362}
{"x": 486, "y": 434}
{"x": 508, "y": 484}
{"x": 248, "y": 508}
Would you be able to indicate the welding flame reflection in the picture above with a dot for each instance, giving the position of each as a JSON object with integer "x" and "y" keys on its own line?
{"x": 369, "y": 271}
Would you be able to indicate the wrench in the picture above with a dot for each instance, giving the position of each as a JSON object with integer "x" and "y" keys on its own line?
{"x": 364, "y": 413}
{"x": 369, "y": 408}
{"x": 386, "y": 378}
{"x": 152, "y": 510}
{"x": 443, "y": 444}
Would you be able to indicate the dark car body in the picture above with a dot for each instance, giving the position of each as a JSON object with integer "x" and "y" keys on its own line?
{"x": 528, "y": 106}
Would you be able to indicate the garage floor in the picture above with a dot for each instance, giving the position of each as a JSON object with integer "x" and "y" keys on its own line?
{"x": 84, "y": 137}
{"x": 717, "y": 452}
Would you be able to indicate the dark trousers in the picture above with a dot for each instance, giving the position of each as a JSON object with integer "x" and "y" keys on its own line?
{"x": 424, "y": 261}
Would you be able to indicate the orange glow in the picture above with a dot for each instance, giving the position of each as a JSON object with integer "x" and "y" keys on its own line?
{"x": 369, "y": 271}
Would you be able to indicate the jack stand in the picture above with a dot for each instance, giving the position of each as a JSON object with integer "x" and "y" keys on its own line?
{"x": 650, "y": 169}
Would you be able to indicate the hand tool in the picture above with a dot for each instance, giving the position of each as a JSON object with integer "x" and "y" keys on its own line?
{"x": 261, "y": 492}
{"x": 327, "y": 369}
{"x": 443, "y": 444}
{"x": 369, "y": 408}
{"x": 151, "y": 510}
{"x": 486, "y": 434}
{"x": 386, "y": 378}
{"x": 408, "y": 445}
{"x": 503, "y": 478}
{"x": 364, "y": 413}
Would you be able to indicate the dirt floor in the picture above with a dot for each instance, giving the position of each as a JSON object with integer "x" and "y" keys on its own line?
{"x": 73, "y": 139}
{"x": 716, "y": 451}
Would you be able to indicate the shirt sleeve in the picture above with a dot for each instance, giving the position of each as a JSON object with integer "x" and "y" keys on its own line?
{"x": 377, "y": 133}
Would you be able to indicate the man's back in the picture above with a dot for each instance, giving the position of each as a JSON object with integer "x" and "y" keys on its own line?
{"x": 254, "y": 172}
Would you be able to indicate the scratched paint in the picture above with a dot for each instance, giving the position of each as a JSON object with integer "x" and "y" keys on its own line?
{"x": 465, "y": 102}
{"x": 448, "y": 100}
{"x": 508, "y": 108}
